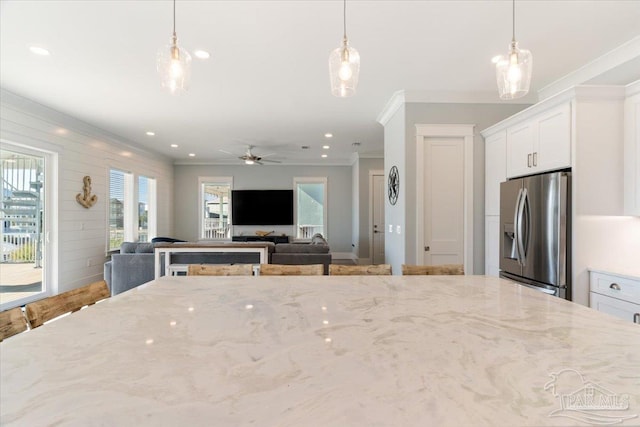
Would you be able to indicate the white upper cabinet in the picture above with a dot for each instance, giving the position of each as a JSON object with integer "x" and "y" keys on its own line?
{"x": 632, "y": 150}
{"x": 541, "y": 143}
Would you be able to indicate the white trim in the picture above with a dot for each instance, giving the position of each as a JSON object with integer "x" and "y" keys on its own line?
{"x": 395, "y": 102}
{"x": 607, "y": 62}
{"x": 213, "y": 180}
{"x": 372, "y": 173}
{"x": 632, "y": 88}
{"x": 446, "y": 130}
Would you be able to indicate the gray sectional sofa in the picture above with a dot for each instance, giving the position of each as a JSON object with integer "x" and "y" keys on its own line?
{"x": 315, "y": 252}
{"x": 134, "y": 265}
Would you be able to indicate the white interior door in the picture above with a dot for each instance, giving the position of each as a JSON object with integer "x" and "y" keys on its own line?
{"x": 443, "y": 201}
{"x": 377, "y": 209}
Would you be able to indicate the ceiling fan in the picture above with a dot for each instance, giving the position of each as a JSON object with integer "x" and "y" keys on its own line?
{"x": 250, "y": 158}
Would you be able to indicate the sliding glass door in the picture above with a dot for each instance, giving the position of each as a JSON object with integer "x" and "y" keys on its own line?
{"x": 23, "y": 229}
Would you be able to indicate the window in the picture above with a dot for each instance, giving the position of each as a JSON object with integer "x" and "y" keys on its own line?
{"x": 215, "y": 207}
{"x": 132, "y": 212}
{"x": 146, "y": 208}
{"x": 310, "y": 206}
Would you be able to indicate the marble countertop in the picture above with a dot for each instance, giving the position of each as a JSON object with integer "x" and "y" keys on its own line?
{"x": 325, "y": 351}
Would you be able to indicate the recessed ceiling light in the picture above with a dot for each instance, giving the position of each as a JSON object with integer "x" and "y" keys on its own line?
{"x": 201, "y": 54}
{"x": 174, "y": 145}
{"x": 149, "y": 133}
{"x": 326, "y": 147}
{"x": 328, "y": 135}
{"x": 324, "y": 156}
{"x": 192, "y": 154}
{"x": 39, "y": 50}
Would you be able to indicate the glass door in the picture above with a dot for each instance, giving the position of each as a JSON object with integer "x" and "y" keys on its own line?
{"x": 22, "y": 226}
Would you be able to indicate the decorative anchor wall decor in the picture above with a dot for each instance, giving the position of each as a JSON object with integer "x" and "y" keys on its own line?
{"x": 86, "y": 199}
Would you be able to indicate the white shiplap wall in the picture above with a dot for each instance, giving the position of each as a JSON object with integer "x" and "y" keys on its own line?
{"x": 82, "y": 150}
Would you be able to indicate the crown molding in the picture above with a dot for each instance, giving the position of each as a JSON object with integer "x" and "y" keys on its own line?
{"x": 56, "y": 118}
{"x": 611, "y": 60}
{"x": 396, "y": 101}
{"x": 632, "y": 88}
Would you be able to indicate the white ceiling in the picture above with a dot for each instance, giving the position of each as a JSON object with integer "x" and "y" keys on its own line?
{"x": 267, "y": 83}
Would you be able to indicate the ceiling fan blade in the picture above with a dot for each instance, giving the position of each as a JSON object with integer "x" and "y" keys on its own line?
{"x": 227, "y": 152}
{"x": 271, "y": 161}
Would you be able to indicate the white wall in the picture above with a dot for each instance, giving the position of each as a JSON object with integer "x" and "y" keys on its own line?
{"x": 82, "y": 150}
{"x": 339, "y": 204}
{"x": 394, "y": 216}
{"x": 608, "y": 243}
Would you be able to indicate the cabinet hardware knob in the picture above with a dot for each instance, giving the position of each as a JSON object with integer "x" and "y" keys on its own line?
{"x": 636, "y": 318}
{"x": 427, "y": 248}
{"x": 614, "y": 286}
{"x": 529, "y": 160}
{"x": 535, "y": 158}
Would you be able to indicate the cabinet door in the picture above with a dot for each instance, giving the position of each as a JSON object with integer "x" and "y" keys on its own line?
{"x": 492, "y": 245}
{"x": 552, "y": 140}
{"x": 519, "y": 147}
{"x": 495, "y": 171}
{"x": 615, "y": 307}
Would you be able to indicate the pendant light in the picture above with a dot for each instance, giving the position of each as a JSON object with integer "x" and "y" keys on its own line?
{"x": 513, "y": 71}
{"x": 344, "y": 65}
{"x": 174, "y": 64}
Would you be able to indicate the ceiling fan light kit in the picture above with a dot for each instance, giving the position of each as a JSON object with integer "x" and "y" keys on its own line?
{"x": 344, "y": 65}
{"x": 174, "y": 64}
{"x": 513, "y": 71}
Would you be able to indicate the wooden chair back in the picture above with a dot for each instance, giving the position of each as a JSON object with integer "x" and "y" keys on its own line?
{"x": 433, "y": 270}
{"x": 220, "y": 270}
{"x": 291, "y": 270}
{"x": 359, "y": 270}
{"x": 12, "y": 322}
{"x": 49, "y": 308}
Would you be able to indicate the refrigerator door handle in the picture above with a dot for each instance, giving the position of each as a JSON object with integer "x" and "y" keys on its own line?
{"x": 520, "y": 227}
{"x": 516, "y": 226}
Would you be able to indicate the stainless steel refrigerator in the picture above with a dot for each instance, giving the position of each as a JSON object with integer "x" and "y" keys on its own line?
{"x": 535, "y": 227}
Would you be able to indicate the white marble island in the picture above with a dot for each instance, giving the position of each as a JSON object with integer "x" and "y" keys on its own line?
{"x": 319, "y": 351}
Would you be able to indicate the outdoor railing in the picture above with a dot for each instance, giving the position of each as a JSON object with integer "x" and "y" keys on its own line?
{"x": 307, "y": 231}
{"x": 215, "y": 229}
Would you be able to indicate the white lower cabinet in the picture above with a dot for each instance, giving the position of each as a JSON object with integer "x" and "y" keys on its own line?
{"x": 615, "y": 294}
{"x": 492, "y": 245}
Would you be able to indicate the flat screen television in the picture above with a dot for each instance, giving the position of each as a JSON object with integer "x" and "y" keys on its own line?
{"x": 262, "y": 207}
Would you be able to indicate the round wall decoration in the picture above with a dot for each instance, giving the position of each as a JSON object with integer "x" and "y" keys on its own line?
{"x": 393, "y": 185}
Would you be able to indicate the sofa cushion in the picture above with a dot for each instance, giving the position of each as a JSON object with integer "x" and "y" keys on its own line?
{"x": 144, "y": 248}
{"x": 136, "y": 248}
{"x": 301, "y": 248}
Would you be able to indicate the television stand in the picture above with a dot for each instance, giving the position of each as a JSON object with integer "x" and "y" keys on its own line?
{"x": 274, "y": 239}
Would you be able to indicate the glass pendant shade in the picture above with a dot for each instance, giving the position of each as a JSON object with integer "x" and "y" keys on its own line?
{"x": 513, "y": 72}
{"x": 344, "y": 67}
{"x": 174, "y": 67}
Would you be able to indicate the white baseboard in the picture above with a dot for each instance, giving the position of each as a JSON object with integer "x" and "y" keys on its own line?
{"x": 344, "y": 255}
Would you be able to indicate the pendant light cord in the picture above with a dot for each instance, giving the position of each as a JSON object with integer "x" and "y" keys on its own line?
{"x": 174, "y": 17}
{"x": 344, "y": 16}
{"x": 513, "y": 9}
